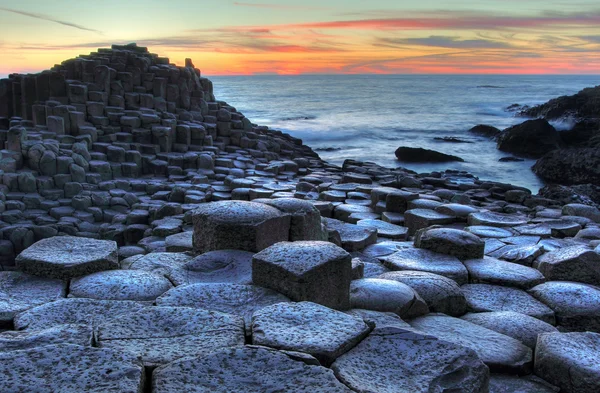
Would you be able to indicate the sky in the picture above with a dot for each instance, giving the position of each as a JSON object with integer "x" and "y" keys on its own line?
{"x": 289, "y": 37}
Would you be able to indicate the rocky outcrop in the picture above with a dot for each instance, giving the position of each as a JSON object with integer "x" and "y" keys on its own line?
{"x": 532, "y": 138}
{"x": 485, "y": 130}
{"x": 570, "y": 166}
{"x": 585, "y": 104}
{"x": 417, "y": 154}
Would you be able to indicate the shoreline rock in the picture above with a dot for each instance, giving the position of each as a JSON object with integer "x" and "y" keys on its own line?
{"x": 417, "y": 154}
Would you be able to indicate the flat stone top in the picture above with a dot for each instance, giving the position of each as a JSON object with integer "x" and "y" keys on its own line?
{"x": 20, "y": 291}
{"x": 489, "y": 231}
{"x": 290, "y": 205}
{"x": 450, "y": 235}
{"x": 568, "y": 253}
{"x": 237, "y": 212}
{"x": 428, "y": 214}
{"x": 497, "y": 219}
{"x": 301, "y": 257}
{"x": 69, "y": 250}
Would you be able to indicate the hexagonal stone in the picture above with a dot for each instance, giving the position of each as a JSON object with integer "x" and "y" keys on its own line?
{"x": 516, "y": 325}
{"x": 575, "y": 209}
{"x": 416, "y": 219}
{"x": 379, "y": 319}
{"x": 523, "y": 255}
{"x": 353, "y": 237}
{"x": 20, "y": 291}
{"x": 67, "y": 334}
{"x": 490, "y": 270}
{"x": 427, "y": 261}
{"x": 575, "y": 305}
{"x": 226, "y": 266}
{"x": 313, "y": 271}
{"x": 493, "y": 219}
{"x": 135, "y": 285}
{"x": 180, "y": 242}
{"x": 501, "y": 353}
{"x": 70, "y": 368}
{"x": 386, "y": 295}
{"x": 160, "y": 335}
{"x": 385, "y": 229}
{"x": 395, "y": 360}
{"x": 74, "y": 311}
{"x": 485, "y": 297}
{"x": 489, "y": 231}
{"x": 570, "y": 361}
{"x": 238, "y": 225}
{"x": 236, "y": 299}
{"x": 305, "y": 221}
{"x": 245, "y": 369}
{"x": 461, "y": 244}
{"x": 159, "y": 262}
{"x": 307, "y": 327}
{"x": 575, "y": 263}
{"x": 502, "y": 383}
{"x": 66, "y": 257}
{"x": 440, "y": 293}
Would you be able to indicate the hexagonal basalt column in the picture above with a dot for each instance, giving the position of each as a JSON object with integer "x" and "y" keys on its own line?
{"x": 66, "y": 257}
{"x": 319, "y": 272}
{"x": 238, "y": 225}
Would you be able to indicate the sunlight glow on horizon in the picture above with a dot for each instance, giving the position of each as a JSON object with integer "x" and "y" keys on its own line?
{"x": 313, "y": 37}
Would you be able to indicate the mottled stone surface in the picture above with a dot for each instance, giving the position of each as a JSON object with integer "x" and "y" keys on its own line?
{"x": 240, "y": 225}
{"x": 385, "y": 229}
{"x": 570, "y": 361}
{"x": 575, "y": 263}
{"x": 20, "y": 291}
{"x": 353, "y": 237}
{"x": 516, "y": 325}
{"x": 307, "y": 327}
{"x": 490, "y": 270}
{"x": 244, "y": 370}
{"x": 59, "y": 334}
{"x": 66, "y": 257}
{"x": 159, "y": 262}
{"x": 461, "y": 244}
{"x": 70, "y": 368}
{"x": 319, "y": 272}
{"x": 137, "y": 285}
{"x": 493, "y": 219}
{"x": 386, "y": 295}
{"x": 499, "y": 352}
{"x": 74, "y": 311}
{"x": 575, "y": 305}
{"x": 485, "y": 297}
{"x": 230, "y": 266}
{"x": 427, "y": 261}
{"x": 395, "y": 360}
{"x": 501, "y": 383}
{"x": 160, "y": 335}
{"x": 305, "y": 221}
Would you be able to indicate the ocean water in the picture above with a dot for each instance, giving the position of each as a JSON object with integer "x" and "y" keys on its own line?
{"x": 366, "y": 117}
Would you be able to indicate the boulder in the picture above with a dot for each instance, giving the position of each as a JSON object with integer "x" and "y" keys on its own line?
{"x": 386, "y": 295}
{"x": 570, "y": 361}
{"x": 160, "y": 335}
{"x": 574, "y": 263}
{"x": 417, "y": 154}
{"x": 579, "y": 210}
{"x": 239, "y": 225}
{"x": 533, "y": 138}
{"x": 306, "y": 271}
{"x": 70, "y": 368}
{"x": 307, "y": 327}
{"x": 380, "y": 364}
{"x": 570, "y": 166}
{"x": 461, "y": 244}
{"x": 246, "y": 369}
{"x": 137, "y": 285}
{"x": 499, "y": 352}
{"x": 65, "y": 257}
{"x": 485, "y": 130}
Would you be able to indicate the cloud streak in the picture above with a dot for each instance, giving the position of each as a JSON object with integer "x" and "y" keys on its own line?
{"x": 444, "y": 42}
{"x": 49, "y": 19}
{"x": 278, "y": 6}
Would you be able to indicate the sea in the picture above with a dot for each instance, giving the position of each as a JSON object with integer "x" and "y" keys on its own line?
{"x": 367, "y": 117}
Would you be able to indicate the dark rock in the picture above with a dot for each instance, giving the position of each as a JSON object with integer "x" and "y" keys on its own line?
{"x": 450, "y": 139}
{"x": 485, "y": 130}
{"x": 417, "y": 154}
{"x": 533, "y": 138}
{"x": 570, "y": 166}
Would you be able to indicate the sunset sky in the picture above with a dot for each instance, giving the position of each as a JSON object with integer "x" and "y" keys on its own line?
{"x": 311, "y": 36}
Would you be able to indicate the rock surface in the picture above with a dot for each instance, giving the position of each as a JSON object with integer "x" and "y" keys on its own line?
{"x": 417, "y": 154}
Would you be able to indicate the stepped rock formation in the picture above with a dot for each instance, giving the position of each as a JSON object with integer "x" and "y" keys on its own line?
{"x": 153, "y": 239}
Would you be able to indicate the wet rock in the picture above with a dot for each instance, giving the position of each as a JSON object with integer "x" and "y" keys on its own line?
{"x": 66, "y": 257}
{"x": 460, "y": 244}
{"x": 307, "y": 327}
{"x": 522, "y": 327}
{"x": 60, "y": 334}
{"x": 380, "y": 364}
{"x": 386, "y": 295}
{"x": 230, "y": 266}
{"x": 485, "y": 130}
{"x": 385, "y": 229}
{"x": 74, "y": 311}
{"x": 490, "y": 270}
{"x": 533, "y": 138}
{"x": 489, "y": 231}
{"x": 499, "y": 352}
{"x": 245, "y": 369}
{"x": 575, "y": 305}
{"x": 440, "y": 293}
{"x": 417, "y": 154}
{"x": 92, "y": 370}
{"x": 416, "y": 219}
{"x": 240, "y": 225}
{"x": 522, "y": 255}
{"x": 313, "y": 271}
{"x": 569, "y": 166}
{"x": 159, "y": 335}
{"x": 575, "y": 263}
{"x": 427, "y": 261}
{"x": 134, "y": 285}
{"x": 353, "y": 237}
{"x": 235, "y": 299}
{"x": 570, "y": 361}
{"x": 579, "y": 210}
{"x": 20, "y": 291}
{"x": 484, "y": 297}
{"x": 496, "y": 219}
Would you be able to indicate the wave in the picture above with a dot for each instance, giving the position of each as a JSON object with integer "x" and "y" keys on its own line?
{"x": 489, "y": 87}
{"x": 297, "y": 118}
